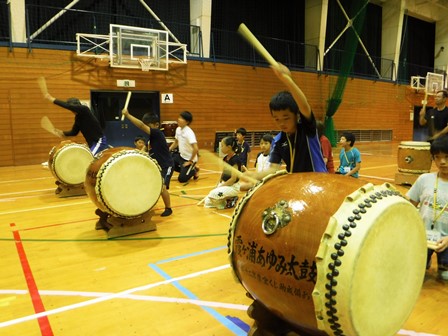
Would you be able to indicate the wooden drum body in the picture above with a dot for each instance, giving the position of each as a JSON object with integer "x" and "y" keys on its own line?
{"x": 68, "y": 162}
{"x": 327, "y": 252}
{"x": 124, "y": 182}
{"x": 414, "y": 157}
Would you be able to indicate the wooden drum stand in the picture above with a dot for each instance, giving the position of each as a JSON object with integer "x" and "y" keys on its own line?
{"x": 119, "y": 227}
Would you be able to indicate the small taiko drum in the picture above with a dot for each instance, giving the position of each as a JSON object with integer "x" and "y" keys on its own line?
{"x": 169, "y": 128}
{"x": 329, "y": 253}
{"x": 123, "y": 182}
{"x": 68, "y": 162}
{"x": 414, "y": 157}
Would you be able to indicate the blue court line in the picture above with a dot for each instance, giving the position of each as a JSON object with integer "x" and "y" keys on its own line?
{"x": 239, "y": 323}
{"x": 237, "y": 330}
{"x": 191, "y": 255}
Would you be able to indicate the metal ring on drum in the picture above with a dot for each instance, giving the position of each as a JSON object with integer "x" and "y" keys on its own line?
{"x": 338, "y": 260}
{"x": 68, "y": 162}
{"x": 124, "y": 182}
{"x": 414, "y": 157}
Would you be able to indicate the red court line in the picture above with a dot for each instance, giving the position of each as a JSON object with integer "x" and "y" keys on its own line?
{"x": 44, "y": 323}
{"x": 58, "y": 224}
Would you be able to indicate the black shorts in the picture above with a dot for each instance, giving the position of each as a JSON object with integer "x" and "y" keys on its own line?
{"x": 167, "y": 172}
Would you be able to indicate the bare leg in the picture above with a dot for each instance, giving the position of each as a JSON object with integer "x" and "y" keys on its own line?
{"x": 166, "y": 197}
{"x": 167, "y": 201}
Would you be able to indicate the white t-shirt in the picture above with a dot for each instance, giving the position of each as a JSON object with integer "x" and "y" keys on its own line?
{"x": 422, "y": 191}
{"x": 186, "y": 139}
{"x": 262, "y": 162}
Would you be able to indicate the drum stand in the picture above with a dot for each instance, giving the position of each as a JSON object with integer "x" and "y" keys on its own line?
{"x": 268, "y": 324}
{"x": 406, "y": 179}
{"x": 119, "y": 227}
{"x": 64, "y": 190}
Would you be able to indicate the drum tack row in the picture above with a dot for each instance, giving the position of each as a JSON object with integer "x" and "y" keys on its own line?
{"x": 113, "y": 180}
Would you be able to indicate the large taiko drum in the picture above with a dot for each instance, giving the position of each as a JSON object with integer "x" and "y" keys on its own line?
{"x": 414, "y": 157}
{"x": 169, "y": 128}
{"x": 123, "y": 182}
{"x": 329, "y": 253}
{"x": 68, "y": 162}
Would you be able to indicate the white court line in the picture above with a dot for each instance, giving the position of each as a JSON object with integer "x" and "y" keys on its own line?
{"x": 131, "y": 297}
{"x": 12, "y": 199}
{"x": 376, "y": 167}
{"x": 414, "y": 333}
{"x": 108, "y": 297}
{"x": 378, "y": 178}
{"x": 22, "y": 180}
{"x": 164, "y": 299}
{"x": 223, "y": 215}
{"x": 43, "y": 208}
{"x": 25, "y": 192}
{"x": 198, "y": 188}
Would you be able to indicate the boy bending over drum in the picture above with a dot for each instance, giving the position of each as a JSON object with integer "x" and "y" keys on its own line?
{"x": 159, "y": 150}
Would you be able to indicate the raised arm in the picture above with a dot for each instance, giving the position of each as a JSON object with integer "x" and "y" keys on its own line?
{"x": 137, "y": 122}
{"x": 283, "y": 73}
{"x": 421, "y": 118}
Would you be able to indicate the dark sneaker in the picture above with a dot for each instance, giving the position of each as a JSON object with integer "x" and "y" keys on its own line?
{"x": 167, "y": 212}
{"x": 196, "y": 174}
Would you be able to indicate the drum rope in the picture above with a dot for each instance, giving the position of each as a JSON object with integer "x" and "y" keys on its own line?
{"x": 436, "y": 216}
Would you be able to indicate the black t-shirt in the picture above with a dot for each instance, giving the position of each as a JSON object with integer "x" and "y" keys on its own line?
{"x": 305, "y": 145}
{"x": 235, "y": 160}
{"x": 159, "y": 148}
{"x": 85, "y": 122}
{"x": 437, "y": 120}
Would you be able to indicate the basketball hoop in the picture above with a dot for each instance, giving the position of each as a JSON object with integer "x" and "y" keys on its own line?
{"x": 145, "y": 63}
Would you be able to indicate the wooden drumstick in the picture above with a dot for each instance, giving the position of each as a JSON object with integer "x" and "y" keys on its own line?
{"x": 201, "y": 201}
{"x": 43, "y": 85}
{"x": 126, "y": 104}
{"x": 239, "y": 174}
{"x": 47, "y": 125}
{"x": 425, "y": 100}
{"x": 247, "y": 34}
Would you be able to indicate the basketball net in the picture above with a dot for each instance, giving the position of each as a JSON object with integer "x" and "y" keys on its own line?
{"x": 145, "y": 63}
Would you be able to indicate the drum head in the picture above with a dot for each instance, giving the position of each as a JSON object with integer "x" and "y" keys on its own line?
{"x": 70, "y": 163}
{"x": 371, "y": 289}
{"x": 415, "y": 144}
{"x": 388, "y": 273}
{"x": 129, "y": 183}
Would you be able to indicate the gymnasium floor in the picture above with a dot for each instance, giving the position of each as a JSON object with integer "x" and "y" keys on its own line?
{"x": 60, "y": 276}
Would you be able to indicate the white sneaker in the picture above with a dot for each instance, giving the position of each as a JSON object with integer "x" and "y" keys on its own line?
{"x": 443, "y": 275}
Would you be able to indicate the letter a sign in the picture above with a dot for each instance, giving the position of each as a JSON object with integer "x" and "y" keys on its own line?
{"x": 167, "y": 98}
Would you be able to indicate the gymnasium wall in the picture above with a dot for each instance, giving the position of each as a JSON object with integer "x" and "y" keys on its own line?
{"x": 220, "y": 96}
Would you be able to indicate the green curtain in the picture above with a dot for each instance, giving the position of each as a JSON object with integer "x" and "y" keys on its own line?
{"x": 357, "y": 13}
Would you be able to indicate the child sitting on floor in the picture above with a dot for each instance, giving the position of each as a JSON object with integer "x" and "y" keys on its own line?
{"x": 225, "y": 194}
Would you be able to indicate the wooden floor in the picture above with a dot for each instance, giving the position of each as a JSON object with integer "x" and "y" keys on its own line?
{"x": 60, "y": 276}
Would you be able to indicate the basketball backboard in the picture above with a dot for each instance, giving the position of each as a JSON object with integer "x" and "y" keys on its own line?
{"x": 129, "y": 44}
{"x": 133, "y": 48}
{"x": 432, "y": 83}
